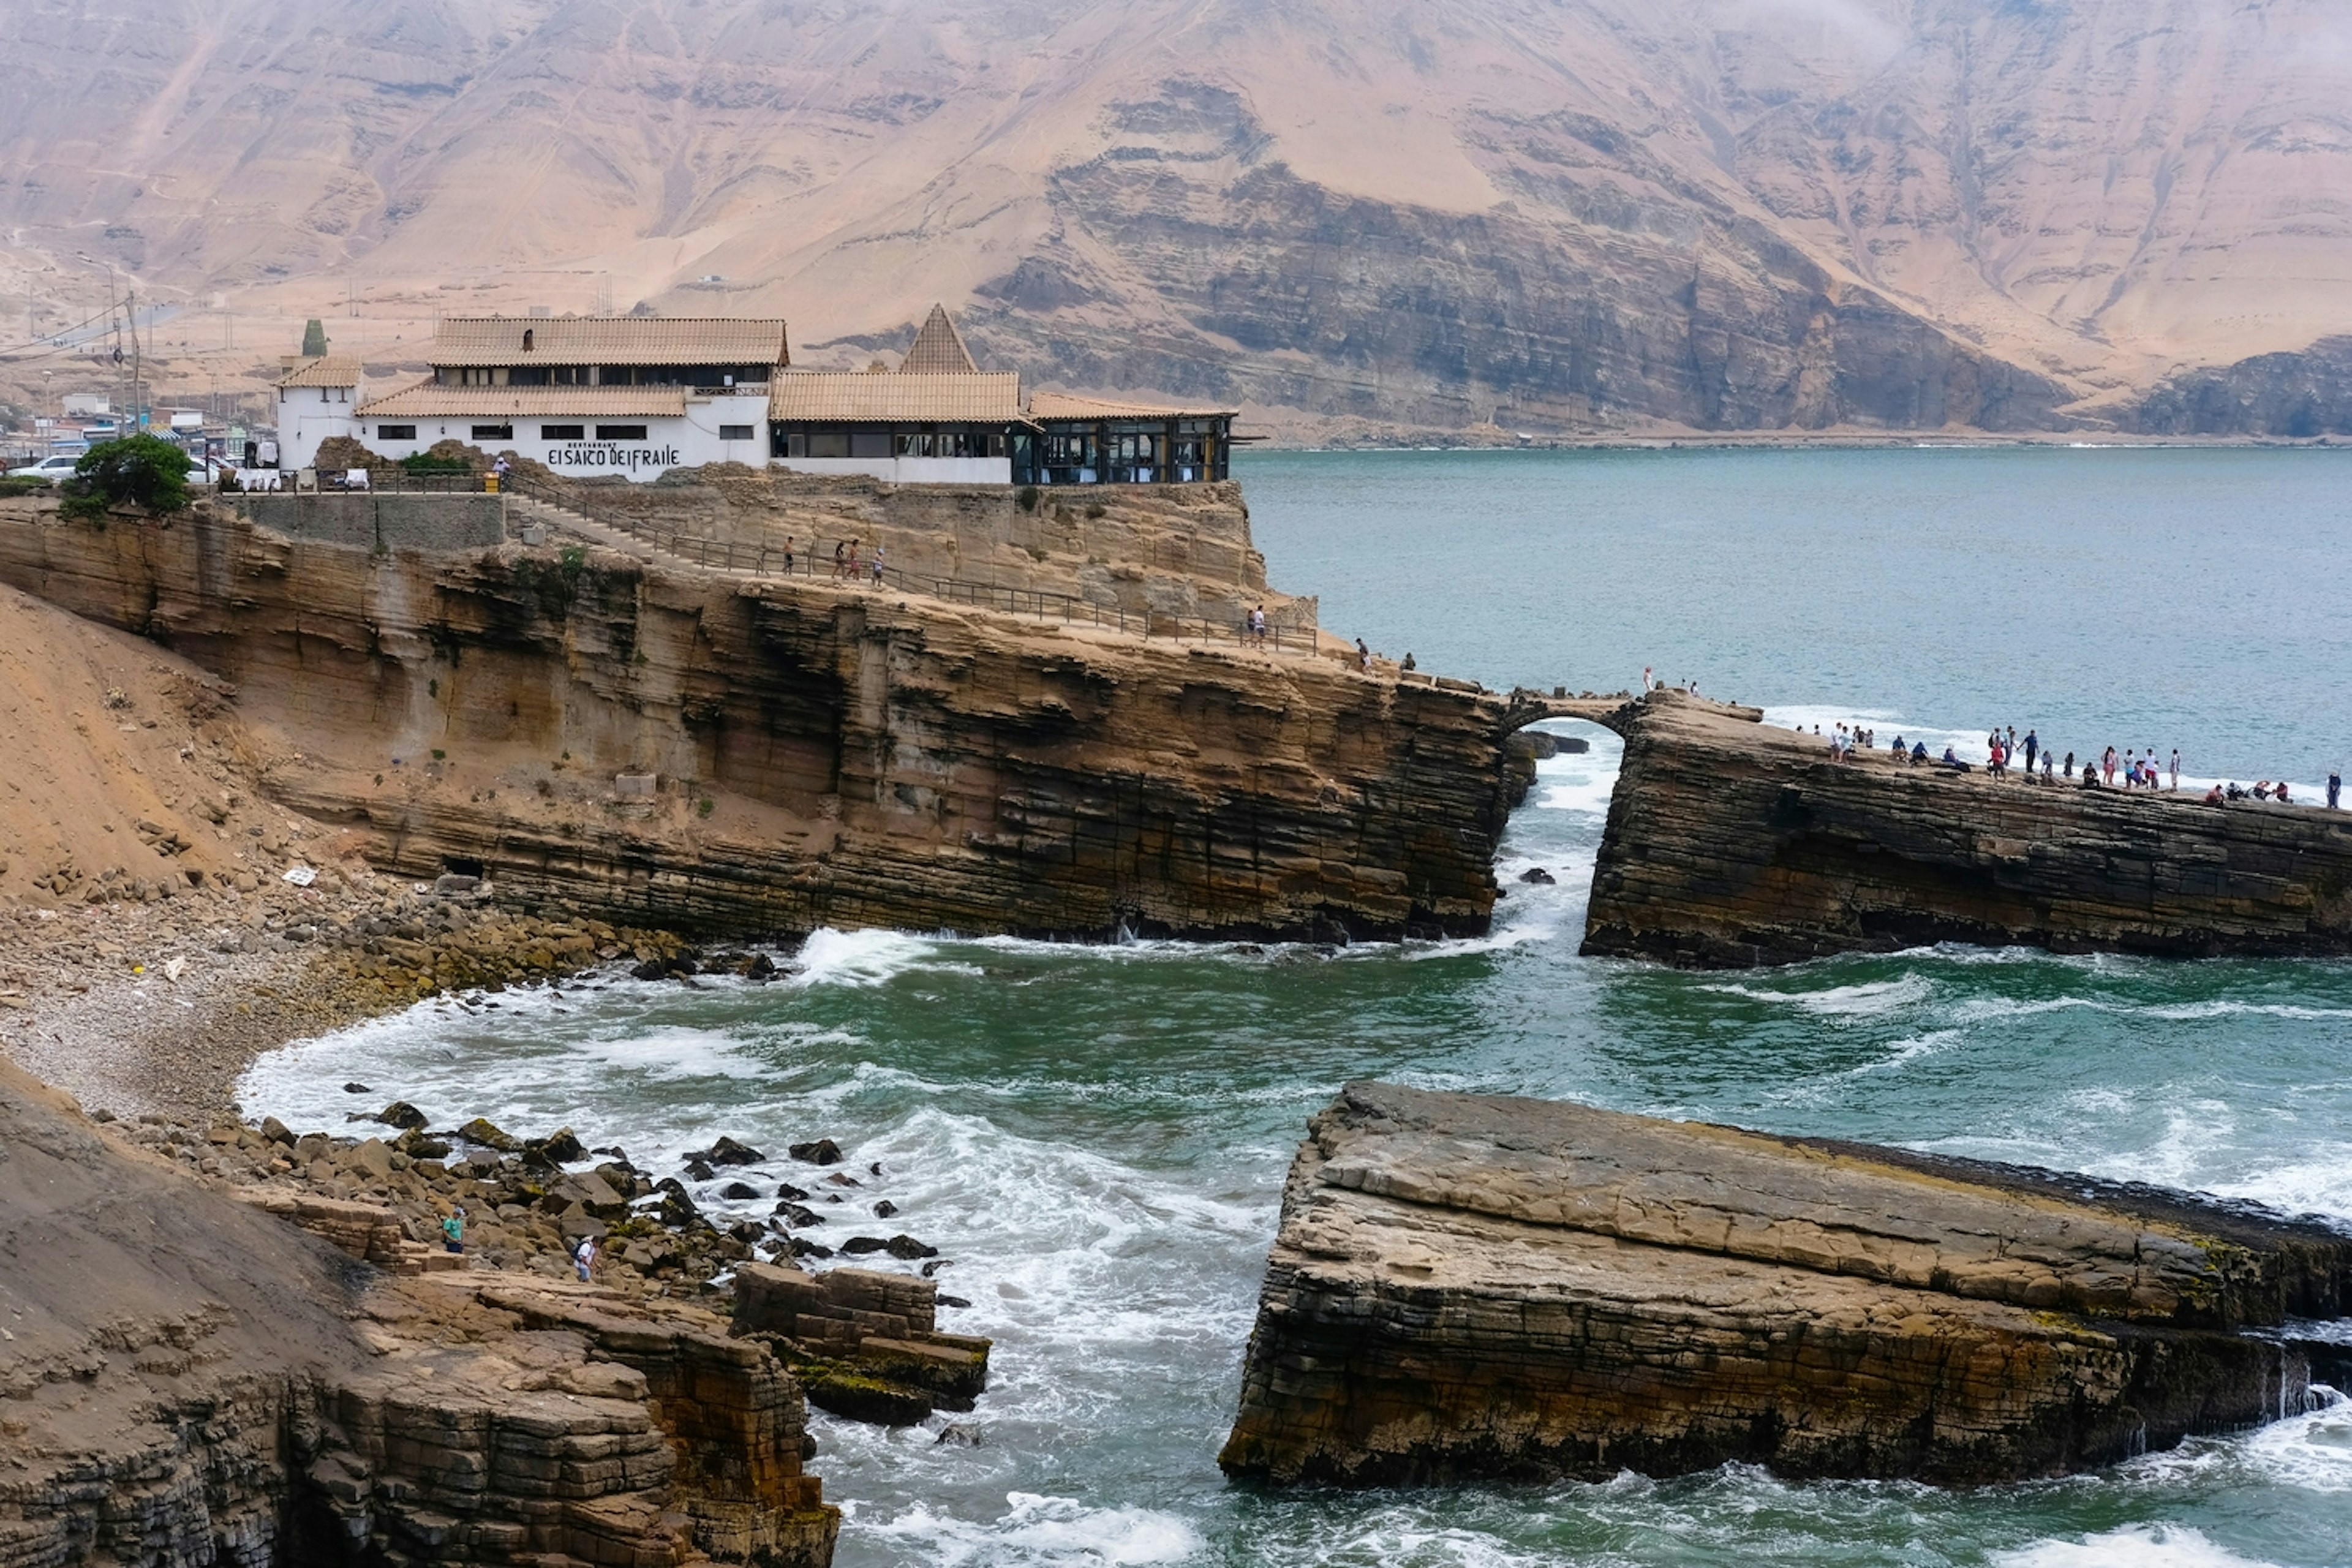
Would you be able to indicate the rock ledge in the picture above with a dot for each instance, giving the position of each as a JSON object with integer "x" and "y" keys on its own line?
{"x": 1472, "y": 1286}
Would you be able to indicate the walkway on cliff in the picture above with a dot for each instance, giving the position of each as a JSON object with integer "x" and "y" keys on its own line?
{"x": 650, "y": 544}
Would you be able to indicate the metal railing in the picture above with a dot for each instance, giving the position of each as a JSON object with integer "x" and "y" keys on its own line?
{"x": 773, "y": 561}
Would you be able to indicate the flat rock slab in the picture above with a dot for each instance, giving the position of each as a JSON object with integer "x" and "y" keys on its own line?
{"x": 1472, "y": 1286}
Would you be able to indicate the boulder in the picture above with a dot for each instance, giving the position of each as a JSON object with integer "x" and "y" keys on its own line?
{"x": 1471, "y": 1287}
{"x": 823, "y": 1152}
{"x": 403, "y": 1115}
{"x": 481, "y": 1130}
{"x": 728, "y": 1152}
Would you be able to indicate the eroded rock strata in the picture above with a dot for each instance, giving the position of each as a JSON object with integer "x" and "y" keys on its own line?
{"x": 799, "y": 754}
{"x": 1473, "y": 1286}
{"x": 186, "y": 1381}
{"x": 1731, "y": 842}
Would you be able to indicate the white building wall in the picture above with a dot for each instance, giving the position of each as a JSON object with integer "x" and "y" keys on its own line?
{"x": 307, "y": 416}
{"x": 670, "y": 442}
{"x": 909, "y": 470}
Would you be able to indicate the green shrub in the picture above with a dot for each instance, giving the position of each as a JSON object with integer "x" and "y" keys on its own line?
{"x": 23, "y": 485}
{"x": 427, "y": 463}
{"x": 1026, "y": 498}
{"x": 136, "y": 471}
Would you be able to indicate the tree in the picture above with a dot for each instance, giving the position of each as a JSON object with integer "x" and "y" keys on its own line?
{"x": 314, "y": 339}
{"x": 137, "y": 470}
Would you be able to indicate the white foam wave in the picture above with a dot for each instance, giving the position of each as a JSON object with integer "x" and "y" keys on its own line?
{"x": 1036, "y": 1531}
{"x": 2131, "y": 1546}
{"x": 867, "y": 957}
{"x": 1866, "y": 999}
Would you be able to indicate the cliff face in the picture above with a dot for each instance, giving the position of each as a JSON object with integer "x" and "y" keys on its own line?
{"x": 189, "y": 1382}
{"x": 2296, "y": 396}
{"x": 799, "y": 754}
{"x": 1468, "y": 1286}
{"x": 1729, "y": 842}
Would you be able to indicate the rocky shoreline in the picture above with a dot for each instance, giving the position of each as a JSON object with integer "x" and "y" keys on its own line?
{"x": 156, "y": 1005}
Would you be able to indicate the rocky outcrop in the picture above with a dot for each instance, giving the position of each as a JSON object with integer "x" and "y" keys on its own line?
{"x": 186, "y": 1381}
{"x": 864, "y": 1344}
{"x": 801, "y": 753}
{"x": 1730, "y": 843}
{"x": 1467, "y": 1286}
{"x": 2296, "y": 396}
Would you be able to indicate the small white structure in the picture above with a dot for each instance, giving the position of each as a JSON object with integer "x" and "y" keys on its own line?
{"x": 630, "y": 395}
{"x": 86, "y": 404}
{"x": 317, "y": 399}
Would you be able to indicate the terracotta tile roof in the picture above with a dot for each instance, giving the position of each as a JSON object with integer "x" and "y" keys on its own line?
{"x": 334, "y": 370}
{"x": 938, "y": 349}
{"x": 854, "y": 397}
{"x": 1062, "y": 406}
{"x": 427, "y": 401}
{"x": 608, "y": 339}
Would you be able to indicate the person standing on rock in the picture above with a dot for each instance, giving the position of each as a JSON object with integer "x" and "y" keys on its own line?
{"x": 2335, "y": 789}
{"x": 878, "y": 566}
{"x": 840, "y": 546}
{"x": 2176, "y": 770}
{"x": 2107, "y": 766}
{"x": 583, "y": 1258}
{"x": 453, "y": 1232}
{"x": 1363, "y": 655}
{"x": 2033, "y": 744}
{"x": 1649, "y": 683}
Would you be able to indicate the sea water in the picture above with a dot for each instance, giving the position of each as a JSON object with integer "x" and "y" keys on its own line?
{"x": 1096, "y": 1136}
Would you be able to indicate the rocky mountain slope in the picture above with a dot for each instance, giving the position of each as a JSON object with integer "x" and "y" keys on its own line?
{"x": 1552, "y": 218}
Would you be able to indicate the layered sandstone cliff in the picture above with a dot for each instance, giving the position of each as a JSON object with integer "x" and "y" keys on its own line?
{"x": 1471, "y": 1287}
{"x": 669, "y": 745}
{"x": 1731, "y": 842}
{"x": 186, "y": 1381}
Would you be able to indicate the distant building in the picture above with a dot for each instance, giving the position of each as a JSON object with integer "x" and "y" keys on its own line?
{"x": 630, "y": 395}
{"x": 317, "y": 399}
{"x": 639, "y": 395}
{"x": 941, "y": 419}
{"x": 82, "y": 404}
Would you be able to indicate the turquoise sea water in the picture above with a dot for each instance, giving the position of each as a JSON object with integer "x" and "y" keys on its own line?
{"x": 1097, "y": 1135}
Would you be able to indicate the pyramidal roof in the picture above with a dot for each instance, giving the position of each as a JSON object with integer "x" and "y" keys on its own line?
{"x": 938, "y": 349}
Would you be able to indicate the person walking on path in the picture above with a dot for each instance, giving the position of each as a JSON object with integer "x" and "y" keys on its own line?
{"x": 788, "y": 555}
{"x": 453, "y": 1232}
{"x": 840, "y": 547}
{"x": 1363, "y": 656}
{"x": 877, "y": 565}
{"x": 583, "y": 1257}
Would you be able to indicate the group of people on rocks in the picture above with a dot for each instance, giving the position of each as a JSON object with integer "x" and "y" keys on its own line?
{"x": 2003, "y": 748}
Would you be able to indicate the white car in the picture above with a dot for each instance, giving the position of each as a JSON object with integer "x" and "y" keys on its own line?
{"x": 50, "y": 469}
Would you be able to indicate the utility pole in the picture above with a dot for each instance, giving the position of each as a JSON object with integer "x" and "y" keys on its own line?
{"x": 138, "y": 405}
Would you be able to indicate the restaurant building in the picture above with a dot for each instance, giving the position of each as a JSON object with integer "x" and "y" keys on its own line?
{"x": 940, "y": 419}
{"x": 632, "y": 396}
{"x": 637, "y": 396}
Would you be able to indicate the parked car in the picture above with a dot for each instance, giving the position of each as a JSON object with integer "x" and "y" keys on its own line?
{"x": 52, "y": 468}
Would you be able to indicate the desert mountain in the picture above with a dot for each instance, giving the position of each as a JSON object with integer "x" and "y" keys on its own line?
{"x": 1545, "y": 214}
